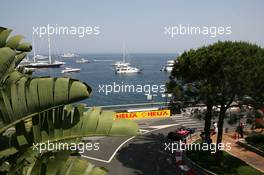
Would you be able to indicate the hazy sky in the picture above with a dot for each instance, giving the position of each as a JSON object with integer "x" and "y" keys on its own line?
{"x": 140, "y": 23}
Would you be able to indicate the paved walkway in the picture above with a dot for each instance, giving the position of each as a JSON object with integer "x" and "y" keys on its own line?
{"x": 249, "y": 157}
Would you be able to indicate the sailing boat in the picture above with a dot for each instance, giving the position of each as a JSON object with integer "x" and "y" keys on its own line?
{"x": 123, "y": 62}
{"x": 123, "y": 67}
{"x": 36, "y": 57}
{"x": 45, "y": 64}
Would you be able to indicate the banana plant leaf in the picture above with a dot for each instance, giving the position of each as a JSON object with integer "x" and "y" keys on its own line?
{"x": 13, "y": 42}
{"x": 24, "y": 47}
{"x": 64, "y": 123}
{"x": 3, "y": 36}
{"x": 20, "y": 57}
{"x": 54, "y": 163}
{"x": 2, "y": 29}
{"x": 11, "y": 52}
{"x": 7, "y": 57}
{"x": 22, "y": 95}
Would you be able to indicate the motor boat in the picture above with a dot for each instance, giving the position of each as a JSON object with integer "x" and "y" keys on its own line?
{"x": 169, "y": 66}
{"x": 127, "y": 70}
{"x": 59, "y": 62}
{"x": 68, "y": 70}
{"x": 123, "y": 67}
{"x": 120, "y": 64}
{"x": 40, "y": 57}
{"x": 82, "y": 61}
{"x": 68, "y": 55}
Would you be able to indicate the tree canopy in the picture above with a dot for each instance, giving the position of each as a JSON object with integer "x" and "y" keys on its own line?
{"x": 218, "y": 75}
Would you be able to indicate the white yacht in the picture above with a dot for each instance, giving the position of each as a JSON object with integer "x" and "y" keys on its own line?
{"x": 169, "y": 66}
{"x": 123, "y": 67}
{"x": 44, "y": 63}
{"x": 68, "y": 70}
{"x": 68, "y": 55}
{"x": 121, "y": 64}
{"x": 59, "y": 62}
{"x": 40, "y": 57}
{"x": 127, "y": 70}
{"x": 82, "y": 61}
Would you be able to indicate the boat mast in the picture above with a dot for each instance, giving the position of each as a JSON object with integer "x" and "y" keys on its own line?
{"x": 49, "y": 49}
{"x": 34, "y": 50}
{"x": 124, "y": 52}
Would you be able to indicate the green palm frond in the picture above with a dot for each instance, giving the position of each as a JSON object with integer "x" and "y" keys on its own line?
{"x": 7, "y": 58}
{"x": 4, "y": 34}
{"x": 54, "y": 163}
{"x": 13, "y": 42}
{"x": 23, "y": 95}
{"x": 11, "y": 52}
{"x": 69, "y": 122}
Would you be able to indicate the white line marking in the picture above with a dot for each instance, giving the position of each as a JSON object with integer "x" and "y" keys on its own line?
{"x": 113, "y": 155}
{"x": 163, "y": 126}
{"x": 143, "y": 130}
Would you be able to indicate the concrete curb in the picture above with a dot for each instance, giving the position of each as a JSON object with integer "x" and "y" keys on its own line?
{"x": 244, "y": 144}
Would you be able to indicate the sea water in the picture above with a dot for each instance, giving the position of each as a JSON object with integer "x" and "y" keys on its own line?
{"x": 100, "y": 72}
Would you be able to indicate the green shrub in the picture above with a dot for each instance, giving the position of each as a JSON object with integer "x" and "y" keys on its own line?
{"x": 228, "y": 165}
{"x": 255, "y": 138}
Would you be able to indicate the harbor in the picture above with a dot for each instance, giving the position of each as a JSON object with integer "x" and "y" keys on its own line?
{"x": 99, "y": 70}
